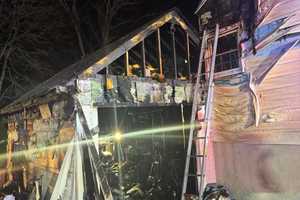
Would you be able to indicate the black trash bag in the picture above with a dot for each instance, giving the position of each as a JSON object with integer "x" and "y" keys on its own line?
{"x": 215, "y": 191}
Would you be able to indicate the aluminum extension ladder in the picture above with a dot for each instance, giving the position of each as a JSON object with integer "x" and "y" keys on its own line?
{"x": 201, "y": 155}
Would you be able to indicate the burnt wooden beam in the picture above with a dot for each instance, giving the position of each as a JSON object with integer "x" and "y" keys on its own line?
{"x": 174, "y": 51}
{"x": 159, "y": 54}
{"x": 188, "y": 53}
{"x": 127, "y": 63}
{"x": 139, "y": 37}
{"x": 144, "y": 57}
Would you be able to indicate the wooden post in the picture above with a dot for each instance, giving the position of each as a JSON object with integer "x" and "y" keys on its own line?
{"x": 174, "y": 51}
{"x": 127, "y": 63}
{"x": 188, "y": 53}
{"x": 144, "y": 57}
{"x": 159, "y": 54}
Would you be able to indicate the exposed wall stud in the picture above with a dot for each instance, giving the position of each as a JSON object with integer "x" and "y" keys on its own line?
{"x": 174, "y": 51}
{"x": 127, "y": 63}
{"x": 188, "y": 53}
{"x": 159, "y": 54}
{"x": 144, "y": 57}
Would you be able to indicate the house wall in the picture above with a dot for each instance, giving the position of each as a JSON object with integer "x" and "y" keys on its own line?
{"x": 34, "y": 150}
{"x": 260, "y": 162}
{"x": 256, "y": 120}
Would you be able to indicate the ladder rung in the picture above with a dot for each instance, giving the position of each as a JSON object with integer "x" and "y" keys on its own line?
{"x": 197, "y": 156}
{"x": 196, "y": 175}
{"x": 199, "y": 138}
{"x": 202, "y": 92}
{"x": 202, "y": 120}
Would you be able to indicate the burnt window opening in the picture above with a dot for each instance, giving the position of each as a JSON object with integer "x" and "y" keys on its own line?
{"x": 224, "y": 12}
{"x": 227, "y": 57}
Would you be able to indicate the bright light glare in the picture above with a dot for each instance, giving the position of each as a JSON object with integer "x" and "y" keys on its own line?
{"x": 118, "y": 136}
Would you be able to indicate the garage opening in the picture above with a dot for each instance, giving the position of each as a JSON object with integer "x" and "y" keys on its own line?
{"x": 148, "y": 162}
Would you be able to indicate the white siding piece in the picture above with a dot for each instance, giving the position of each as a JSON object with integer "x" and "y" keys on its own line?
{"x": 179, "y": 94}
{"x": 189, "y": 92}
{"x": 157, "y": 93}
{"x": 97, "y": 90}
{"x": 144, "y": 92}
{"x": 256, "y": 102}
{"x": 133, "y": 91}
{"x": 85, "y": 94}
{"x": 168, "y": 94}
{"x": 91, "y": 114}
{"x": 78, "y": 192}
{"x": 60, "y": 185}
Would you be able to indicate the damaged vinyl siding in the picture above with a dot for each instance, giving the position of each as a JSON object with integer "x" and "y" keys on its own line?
{"x": 256, "y": 129}
{"x": 273, "y": 75}
{"x": 233, "y": 108}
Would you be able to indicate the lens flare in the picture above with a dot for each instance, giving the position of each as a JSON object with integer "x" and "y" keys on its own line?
{"x": 118, "y": 136}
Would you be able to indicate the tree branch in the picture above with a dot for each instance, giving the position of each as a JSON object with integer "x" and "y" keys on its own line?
{"x": 4, "y": 68}
{"x": 74, "y": 17}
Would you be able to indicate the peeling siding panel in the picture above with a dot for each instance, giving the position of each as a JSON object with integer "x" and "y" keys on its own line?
{"x": 275, "y": 72}
{"x": 232, "y": 108}
{"x": 284, "y": 8}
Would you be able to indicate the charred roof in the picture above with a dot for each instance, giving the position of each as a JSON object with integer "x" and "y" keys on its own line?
{"x": 48, "y": 89}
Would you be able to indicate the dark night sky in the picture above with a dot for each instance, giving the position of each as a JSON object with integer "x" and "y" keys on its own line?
{"x": 188, "y": 7}
{"x": 148, "y": 9}
{"x": 58, "y": 40}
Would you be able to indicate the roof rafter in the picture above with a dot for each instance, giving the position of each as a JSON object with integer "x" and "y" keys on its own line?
{"x": 97, "y": 61}
{"x": 139, "y": 36}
